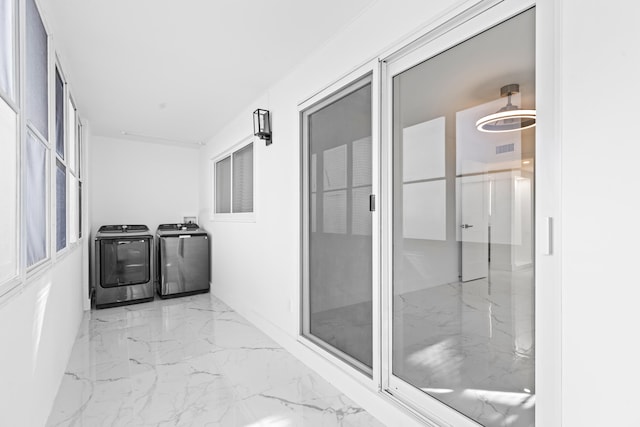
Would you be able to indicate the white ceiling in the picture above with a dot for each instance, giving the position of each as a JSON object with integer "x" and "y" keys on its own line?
{"x": 181, "y": 69}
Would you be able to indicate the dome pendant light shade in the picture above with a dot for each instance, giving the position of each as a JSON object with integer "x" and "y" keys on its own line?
{"x": 510, "y": 117}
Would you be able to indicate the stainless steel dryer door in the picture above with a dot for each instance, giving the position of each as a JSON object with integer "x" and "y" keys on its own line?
{"x": 184, "y": 264}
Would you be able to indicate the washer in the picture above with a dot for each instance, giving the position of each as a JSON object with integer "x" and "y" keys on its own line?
{"x": 182, "y": 257}
{"x": 123, "y": 265}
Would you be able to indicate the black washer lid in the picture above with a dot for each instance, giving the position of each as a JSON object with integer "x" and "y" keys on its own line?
{"x": 122, "y": 228}
{"x": 179, "y": 226}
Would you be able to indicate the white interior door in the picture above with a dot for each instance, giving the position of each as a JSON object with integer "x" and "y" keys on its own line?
{"x": 474, "y": 226}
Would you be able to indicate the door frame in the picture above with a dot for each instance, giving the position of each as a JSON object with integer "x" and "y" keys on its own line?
{"x": 470, "y": 22}
{"x": 336, "y": 90}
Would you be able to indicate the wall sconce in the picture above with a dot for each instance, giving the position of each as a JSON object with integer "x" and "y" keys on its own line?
{"x": 262, "y": 125}
{"x": 508, "y": 118}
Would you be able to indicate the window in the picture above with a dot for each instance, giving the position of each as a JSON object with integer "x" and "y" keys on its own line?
{"x": 242, "y": 193}
{"x": 73, "y": 167}
{"x": 223, "y": 185}
{"x": 36, "y": 212}
{"x": 73, "y": 209}
{"x": 61, "y": 206}
{"x": 61, "y": 169}
{"x": 8, "y": 193}
{"x": 234, "y": 183}
{"x": 7, "y": 48}
{"x": 36, "y": 194}
{"x": 59, "y": 115}
{"x": 40, "y": 182}
{"x": 72, "y": 125}
{"x": 9, "y": 145}
{"x": 79, "y": 209}
{"x": 37, "y": 87}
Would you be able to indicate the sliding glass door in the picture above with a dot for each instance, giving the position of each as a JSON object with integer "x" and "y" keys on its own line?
{"x": 338, "y": 204}
{"x": 429, "y": 291}
{"x": 462, "y": 286}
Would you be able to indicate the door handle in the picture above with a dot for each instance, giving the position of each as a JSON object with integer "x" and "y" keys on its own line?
{"x": 465, "y": 226}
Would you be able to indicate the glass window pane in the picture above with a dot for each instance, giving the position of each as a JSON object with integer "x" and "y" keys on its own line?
{"x": 79, "y": 209}
{"x": 61, "y": 206}
{"x": 463, "y": 283}
{"x": 7, "y": 48}
{"x": 223, "y": 186}
{"x": 59, "y": 115}
{"x": 78, "y": 146}
{"x": 72, "y": 127}
{"x": 37, "y": 106}
{"x": 8, "y": 193}
{"x": 339, "y": 294}
{"x": 36, "y": 199}
{"x": 73, "y": 209}
{"x": 243, "y": 179}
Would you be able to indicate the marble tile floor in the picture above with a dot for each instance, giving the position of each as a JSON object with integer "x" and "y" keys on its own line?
{"x": 469, "y": 345}
{"x": 191, "y": 362}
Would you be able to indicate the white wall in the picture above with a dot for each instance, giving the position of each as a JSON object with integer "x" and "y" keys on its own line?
{"x": 37, "y": 330}
{"x": 137, "y": 182}
{"x": 599, "y": 90}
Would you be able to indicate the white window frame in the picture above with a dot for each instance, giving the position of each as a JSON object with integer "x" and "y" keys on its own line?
{"x": 63, "y": 160}
{"x": 234, "y": 216}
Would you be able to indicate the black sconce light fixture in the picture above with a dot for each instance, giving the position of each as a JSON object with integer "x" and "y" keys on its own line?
{"x": 262, "y": 125}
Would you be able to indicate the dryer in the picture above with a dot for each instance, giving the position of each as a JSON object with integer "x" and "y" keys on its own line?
{"x": 123, "y": 265}
{"x": 182, "y": 258}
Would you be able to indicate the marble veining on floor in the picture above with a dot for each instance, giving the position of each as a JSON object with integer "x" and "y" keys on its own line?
{"x": 469, "y": 345}
{"x": 191, "y": 362}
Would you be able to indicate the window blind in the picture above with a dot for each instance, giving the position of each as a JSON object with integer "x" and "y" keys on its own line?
{"x": 7, "y": 46}
{"x": 243, "y": 179}
{"x": 8, "y": 192}
{"x": 36, "y": 200}
{"x": 61, "y": 206}
{"x": 223, "y": 185}
{"x": 59, "y": 115}
{"x": 36, "y": 77}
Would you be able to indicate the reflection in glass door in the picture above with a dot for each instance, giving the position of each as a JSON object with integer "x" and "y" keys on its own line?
{"x": 337, "y": 288}
{"x": 462, "y": 326}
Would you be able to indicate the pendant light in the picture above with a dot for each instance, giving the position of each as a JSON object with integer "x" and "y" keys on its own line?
{"x": 510, "y": 117}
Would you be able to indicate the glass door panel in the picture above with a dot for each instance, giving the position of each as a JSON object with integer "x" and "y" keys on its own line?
{"x": 462, "y": 326}
{"x": 337, "y": 307}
